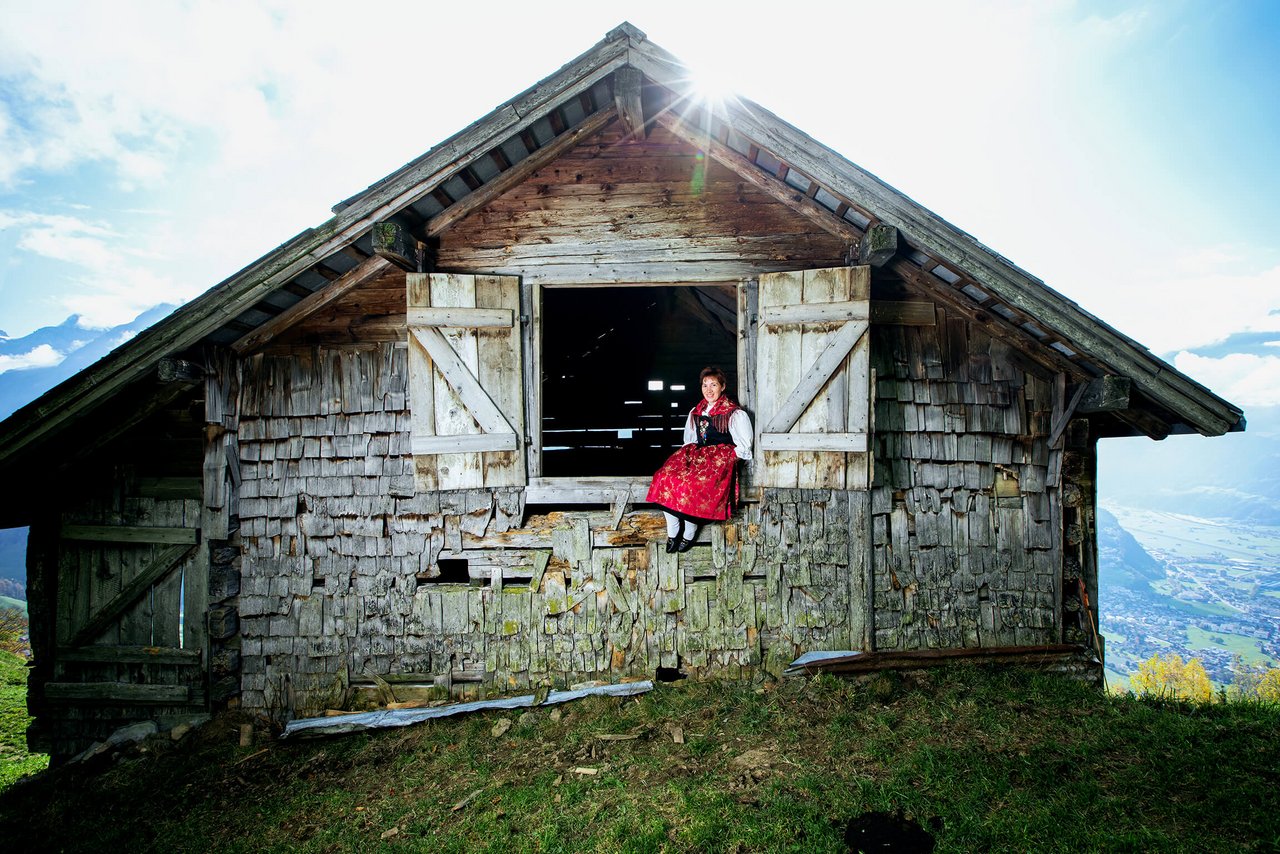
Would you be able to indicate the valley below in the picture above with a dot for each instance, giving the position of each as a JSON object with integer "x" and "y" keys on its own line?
{"x": 1201, "y": 588}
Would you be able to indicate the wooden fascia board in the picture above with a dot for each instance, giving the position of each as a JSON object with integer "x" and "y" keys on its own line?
{"x": 203, "y": 315}
{"x": 1209, "y": 413}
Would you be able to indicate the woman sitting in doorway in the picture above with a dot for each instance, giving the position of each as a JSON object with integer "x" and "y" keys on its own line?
{"x": 697, "y": 483}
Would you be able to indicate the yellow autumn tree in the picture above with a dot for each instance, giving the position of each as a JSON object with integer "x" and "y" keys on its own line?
{"x": 1269, "y": 686}
{"x": 1253, "y": 682}
{"x": 1169, "y": 676}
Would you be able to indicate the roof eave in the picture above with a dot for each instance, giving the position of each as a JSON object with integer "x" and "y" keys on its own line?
{"x": 188, "y": 325}
{"x": 1201, "y": 409}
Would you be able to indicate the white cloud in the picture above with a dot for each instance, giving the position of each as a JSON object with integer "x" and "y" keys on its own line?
{"x": 1242, "y": 378}
{"x": 42, "y": 356}
{"x": 115, "y": 283}
{"x": 115, "y": 297}
{"x": 1190, "y": 302}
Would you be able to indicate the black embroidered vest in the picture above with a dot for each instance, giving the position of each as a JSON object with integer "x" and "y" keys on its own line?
{"x": 708, "y": 434}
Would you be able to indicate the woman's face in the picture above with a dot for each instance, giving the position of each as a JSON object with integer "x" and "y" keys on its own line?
{"x": 711, "y": 389}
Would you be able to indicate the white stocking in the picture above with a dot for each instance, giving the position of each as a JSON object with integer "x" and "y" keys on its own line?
{"x": 673, "y": 525}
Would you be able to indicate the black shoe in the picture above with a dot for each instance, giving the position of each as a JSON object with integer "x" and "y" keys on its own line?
{"x": 672, "y": 542}
{"x": 684, "y": 545}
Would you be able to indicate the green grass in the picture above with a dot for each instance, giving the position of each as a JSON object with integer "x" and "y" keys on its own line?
{"x": 1247, "y": 648}
{"x": 991, "y": 760}
{"x": 10, "y": 602}
{"x": 1210, "y": 609}
{"x": 15, "y": 762}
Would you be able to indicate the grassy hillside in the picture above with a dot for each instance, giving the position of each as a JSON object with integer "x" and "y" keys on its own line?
{"x": 982, "y": 760}
{"x": 7, "y": 602}
{"x": 13, "y": 556}
{"x": 15, "y": 762}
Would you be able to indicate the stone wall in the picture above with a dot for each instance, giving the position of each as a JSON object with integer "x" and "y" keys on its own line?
{"x": 341, "y": 576}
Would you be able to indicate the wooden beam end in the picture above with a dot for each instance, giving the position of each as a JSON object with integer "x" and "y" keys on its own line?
{"x": 878, "y": 245}
{"x": 392, "y": 241}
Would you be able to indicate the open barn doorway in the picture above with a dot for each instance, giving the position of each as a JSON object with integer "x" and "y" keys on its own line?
{"x": 620, "y": 372}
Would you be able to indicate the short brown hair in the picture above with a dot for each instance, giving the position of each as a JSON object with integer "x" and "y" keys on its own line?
{"x": 712, "y": 371}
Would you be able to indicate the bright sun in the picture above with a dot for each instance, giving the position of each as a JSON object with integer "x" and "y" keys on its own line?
{"x": 711, "y": 83}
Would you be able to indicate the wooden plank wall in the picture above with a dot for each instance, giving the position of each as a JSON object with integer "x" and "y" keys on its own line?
{"x": 616, "y": 210}
{"x": 341, "y": 562}
{"x": 135, "y": 668}
{"x": 966, "y": 511}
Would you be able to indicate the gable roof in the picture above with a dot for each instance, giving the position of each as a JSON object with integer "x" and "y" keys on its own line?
{"x": 500, "y": 150}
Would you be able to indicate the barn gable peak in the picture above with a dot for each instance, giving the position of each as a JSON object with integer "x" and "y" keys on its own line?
{"x": 627, "y": 78}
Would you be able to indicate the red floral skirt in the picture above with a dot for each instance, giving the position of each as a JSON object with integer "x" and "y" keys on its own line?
{"x": 696, "y": 482}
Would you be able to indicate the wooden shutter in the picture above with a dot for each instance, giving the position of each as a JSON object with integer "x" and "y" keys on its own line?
{"x": 812, "y": 379}
{"x": 465, "y": 380}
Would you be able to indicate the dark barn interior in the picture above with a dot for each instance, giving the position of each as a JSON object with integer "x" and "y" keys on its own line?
{"x": 604, "y": 352}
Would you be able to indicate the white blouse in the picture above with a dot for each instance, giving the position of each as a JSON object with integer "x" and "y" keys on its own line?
{"x": 739, "y": 429}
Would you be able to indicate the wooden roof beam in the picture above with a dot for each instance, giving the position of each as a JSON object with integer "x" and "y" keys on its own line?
{"x": 352, "y": 279}
{"x": 325, "y": 272}
{"x": 1045, "y": 356}
{"x": 355, "y": 253}
{"x": 556, "y": 119}
{"x": 878, "y": 245}
{"x": 1144, "y": 422}
{"x": 1106, "y": 394}
{"x": 395, "y": 241}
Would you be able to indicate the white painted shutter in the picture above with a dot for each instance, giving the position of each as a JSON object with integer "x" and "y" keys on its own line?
{"x": 812, "y": 379}
{"x": 465, "y": 380}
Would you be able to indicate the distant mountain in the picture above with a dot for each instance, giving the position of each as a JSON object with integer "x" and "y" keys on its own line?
{"x": 13, "y": 562}
{"x": 78, "y": 347}
{"x": 1236, "y": 476}
{"x": 1122, "y": 561}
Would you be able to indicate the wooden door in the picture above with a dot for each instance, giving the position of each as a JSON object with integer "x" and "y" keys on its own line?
{"x": 124, "y": 629}
{"x": 465, "y": 381}
{"x": 813, "y": 391}
{"x": 813, "y": 407}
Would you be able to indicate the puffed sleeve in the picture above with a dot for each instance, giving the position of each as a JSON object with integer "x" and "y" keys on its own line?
{"x": 690, "y": 431}
{"x": 740, "y": 430}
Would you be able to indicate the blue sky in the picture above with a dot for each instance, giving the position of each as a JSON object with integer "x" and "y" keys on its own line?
{"x": 1123, "y": 152}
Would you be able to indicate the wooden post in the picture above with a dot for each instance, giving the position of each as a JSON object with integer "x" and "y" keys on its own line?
{"x": 627, "y": 82}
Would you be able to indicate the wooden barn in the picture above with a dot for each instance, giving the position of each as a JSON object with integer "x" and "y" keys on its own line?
{"x": 408, "y": 450}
